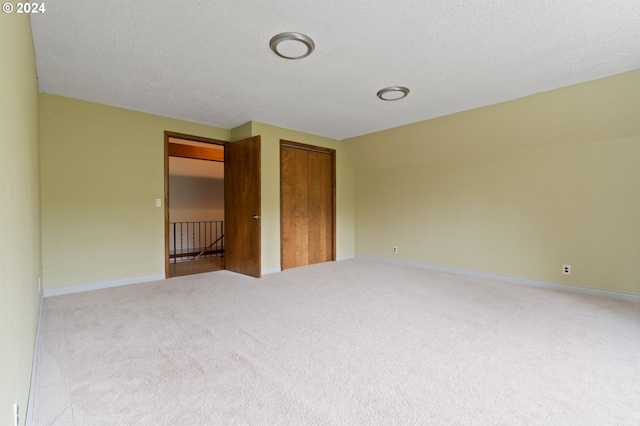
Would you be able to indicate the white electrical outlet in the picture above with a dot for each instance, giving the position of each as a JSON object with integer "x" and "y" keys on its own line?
{"x": 158, "y": 202}
{"x": 16, "y": 413}
{"x": 566, "y": 269}
{"x": 395, "y": 249}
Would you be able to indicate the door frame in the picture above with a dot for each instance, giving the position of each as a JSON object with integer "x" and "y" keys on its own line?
{"x": 328, "y": 151}
{"x": 191, "y": 138}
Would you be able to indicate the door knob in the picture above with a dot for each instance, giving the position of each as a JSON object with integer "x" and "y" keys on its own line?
{"x": 257, "y": 217}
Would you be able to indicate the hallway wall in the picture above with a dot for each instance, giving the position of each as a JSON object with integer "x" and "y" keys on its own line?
{"x": 196, "y": 190}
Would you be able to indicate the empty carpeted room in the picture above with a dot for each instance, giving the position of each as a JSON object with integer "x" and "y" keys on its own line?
{"x": 425, "y": 212}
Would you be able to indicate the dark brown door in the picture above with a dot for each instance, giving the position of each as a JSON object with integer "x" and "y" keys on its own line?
{"x": 242, "y": 206}
{"x": 307, "y": 196}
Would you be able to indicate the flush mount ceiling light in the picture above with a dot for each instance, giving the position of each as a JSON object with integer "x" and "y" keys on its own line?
{"x": 292, "y": 45}
{"x": 393, "y": 93}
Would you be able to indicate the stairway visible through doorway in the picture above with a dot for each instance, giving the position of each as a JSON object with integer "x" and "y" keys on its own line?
{"x": 195, "y": 205}
{"x": 199, "y": 266}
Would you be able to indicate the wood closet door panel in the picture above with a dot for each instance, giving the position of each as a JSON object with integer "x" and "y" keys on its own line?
{"x": 327, "y": 208}
{"x": 320, "y": 208}
{"x": 287, "y": 209}
{"x": 307, "y": 205}
{"x": 316, "y": 222}
{"x": 301, "y": 199}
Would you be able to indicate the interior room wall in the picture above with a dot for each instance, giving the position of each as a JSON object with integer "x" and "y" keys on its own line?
{"x": 20, "y": 247}
{"x": 196, "y": 190}
{"x": 519, "y": 188}
{"x": 241, "y": 132}
{"x": 270, "y": 192}
{"x": 102, "y": 170}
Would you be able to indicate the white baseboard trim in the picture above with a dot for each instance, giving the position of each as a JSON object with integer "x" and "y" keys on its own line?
{"x": 28, "y": 419}
{"x": 279, "y": 269}
{"x": 613, "y": 294}
{"x": 268, "y": 271}
{"x": 100, "y": 285}
{"x": 345, "y": 257}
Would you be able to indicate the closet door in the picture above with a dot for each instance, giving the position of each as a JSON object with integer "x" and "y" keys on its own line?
{"x": 307, "y": 197}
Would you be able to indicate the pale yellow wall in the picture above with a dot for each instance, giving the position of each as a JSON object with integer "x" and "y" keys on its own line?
{"x": 270, "y": 146}
{"x": 102, "y": 169}
{"x": 241, "y": 132}
{"x": 20, "y": 249}
{"x": 518, "y": 188}
{"x": 588, "y": 112}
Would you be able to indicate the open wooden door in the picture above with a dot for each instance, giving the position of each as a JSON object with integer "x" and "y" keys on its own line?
{"x": 242, "y": 206}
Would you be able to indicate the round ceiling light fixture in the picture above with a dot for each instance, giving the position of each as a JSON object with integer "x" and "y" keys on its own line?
{"x": 393, "y": 93}
{"x": 292, "y": 45}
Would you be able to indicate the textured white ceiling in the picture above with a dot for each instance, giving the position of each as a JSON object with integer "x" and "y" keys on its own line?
{"x": 210, "y": 62}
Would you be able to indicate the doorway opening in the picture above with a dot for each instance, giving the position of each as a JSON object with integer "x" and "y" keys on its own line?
{"x": 194, "y": 205}
{"x": 240, "y": 235}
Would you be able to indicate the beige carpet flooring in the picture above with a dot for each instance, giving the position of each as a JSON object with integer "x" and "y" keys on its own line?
{"x": 342, "y": 343}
